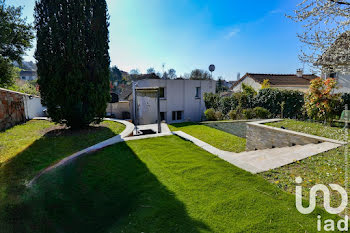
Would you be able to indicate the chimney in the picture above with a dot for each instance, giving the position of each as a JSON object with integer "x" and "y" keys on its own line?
{"x": 299, "y": 73}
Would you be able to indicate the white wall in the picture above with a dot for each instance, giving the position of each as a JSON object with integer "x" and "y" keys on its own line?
{"x": 33, "y": 107}
{"x": 180, "y": 96}
{"x": 343, "y": 81}
{"x": 248, "y": 81}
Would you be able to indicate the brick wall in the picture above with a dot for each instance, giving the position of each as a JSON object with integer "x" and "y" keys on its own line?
{"x": 11, "y": 109}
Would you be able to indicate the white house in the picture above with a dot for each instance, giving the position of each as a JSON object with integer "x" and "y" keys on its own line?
{"x": 298, "y": 81}
{"x": 336, "y": 62}
{"x": 180, "y": 100}
{"x": 28, "y": 75}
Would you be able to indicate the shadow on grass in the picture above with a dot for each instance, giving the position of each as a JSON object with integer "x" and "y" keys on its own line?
{"x": 110, "y": 191}
{"x": 53, "y": 146}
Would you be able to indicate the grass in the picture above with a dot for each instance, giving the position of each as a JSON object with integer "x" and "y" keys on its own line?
{"x": 325, "y": 168}
{"x": 161, "y": 184}
{"x": 28, "y": 148}
{"x": 214, "y": 137}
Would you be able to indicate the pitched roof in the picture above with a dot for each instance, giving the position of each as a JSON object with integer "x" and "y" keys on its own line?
{"x": 338, "y": 53}
{"x": 280, "y": 79}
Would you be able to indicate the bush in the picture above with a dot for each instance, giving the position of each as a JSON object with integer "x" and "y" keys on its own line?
{"x": 248, "y": 113}
{"x": 232, "y": 115}
{"x": 261, "y": 113}
{"x": 272, "y": 99}
{"x": 211, "y": 100}
{"x": 219, "y": 116}
{"x": 210, "y": 114}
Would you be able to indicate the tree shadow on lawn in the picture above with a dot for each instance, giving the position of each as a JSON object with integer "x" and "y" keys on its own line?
{"x": 53, "y": 146}
{"x": 108, "y": 191}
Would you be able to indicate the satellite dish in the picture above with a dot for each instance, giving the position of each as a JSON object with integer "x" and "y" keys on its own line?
{"x": 212, "y": 68}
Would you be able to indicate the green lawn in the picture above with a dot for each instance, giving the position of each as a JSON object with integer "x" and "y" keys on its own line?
{"x": 163, "y": 184}
{"x": 28, "y": 148}
{"x": 214, "y": 137}
{"x": 325, "y": 168}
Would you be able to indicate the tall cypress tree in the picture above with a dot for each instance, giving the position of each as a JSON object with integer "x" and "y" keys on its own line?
{"x": 73, "y": 59}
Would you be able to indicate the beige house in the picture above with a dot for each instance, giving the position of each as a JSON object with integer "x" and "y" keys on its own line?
{"x": 298, "y": 81}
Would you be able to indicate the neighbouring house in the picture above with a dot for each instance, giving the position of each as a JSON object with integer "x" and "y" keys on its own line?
{"x": 179, "y": 100}
{"x": 28, "y": 75}
{"x": 298, "y": 81}
{"x": 335, "y": 62}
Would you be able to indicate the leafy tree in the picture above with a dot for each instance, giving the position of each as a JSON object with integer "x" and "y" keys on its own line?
{"x": 151, "y": 70}
{"x": 134, "y": 72}
{"x": 265, "y": 84}
{"x": 165, "y": 75}
{"x": 73, "y": 59}
{"x": 320, "y": 101}
{"x": 15, "y": 38}
{"x": 198, "y": 74}
{"x": 172, "y": 73}
{"x": 323, "y": 22}
{"x": 115, "y": 75}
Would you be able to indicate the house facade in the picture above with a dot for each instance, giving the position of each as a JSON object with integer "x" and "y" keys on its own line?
{"x": 180, "y": 100}
{"x": 298, "y": 81}
{"x": 28, "y": 75}
{"x": 335, "y": 62}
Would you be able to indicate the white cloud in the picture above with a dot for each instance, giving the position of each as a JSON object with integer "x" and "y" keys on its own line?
{"x": 232, "y": 33}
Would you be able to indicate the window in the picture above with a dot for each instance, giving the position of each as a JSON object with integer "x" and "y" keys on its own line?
{"x": 177, "y": 115}
{"x": 162, "y": 116}
{"x": 161, "y": 92}
{"x": 24, "y": 78}
{"x": 198, "y": 92}
{"x": 333, "y": 75}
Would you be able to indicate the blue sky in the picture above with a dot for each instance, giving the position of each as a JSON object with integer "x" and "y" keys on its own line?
{"x": 235, "y": 35}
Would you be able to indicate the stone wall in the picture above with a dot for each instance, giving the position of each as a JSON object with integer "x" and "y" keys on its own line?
{"x": 11, "y": 109}
{"x": 261, "y": 137}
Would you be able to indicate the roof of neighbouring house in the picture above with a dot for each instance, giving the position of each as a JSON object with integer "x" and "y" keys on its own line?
{"x": 338, "y": 53}
{"x": 28, "y": 73}
{"x": 280, "y": 79}
{"x": 126, "y": 92}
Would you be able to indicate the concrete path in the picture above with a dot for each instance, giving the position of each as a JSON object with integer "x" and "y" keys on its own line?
{"x": 263, "y": 160}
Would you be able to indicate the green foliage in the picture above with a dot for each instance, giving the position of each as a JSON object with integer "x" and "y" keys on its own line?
{"x": 265, "y": 84}
{"x": 211, "y": 100}
{"x": 248, "y": 113}
{"x": 271, "y": 99}
{"x": 29, "y": 87}
{"x": 248, "y": 90}
{"x": 261, "y": 113}
{"x": 219, "y": 116}
{"x": 15, "y": 38}
{"x": 210, "y": 114}
{"x": 15, "y": 33}
{"x": 226, "y": 104}
{"x": 8, "y": 73}
{"x": 320, "y": 101}
{"x": 73, "y": 59}
{"x": 232, "y": 114}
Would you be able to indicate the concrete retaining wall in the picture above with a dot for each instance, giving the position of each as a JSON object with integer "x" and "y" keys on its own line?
{"x": 261, "y": 137}
{"x": 117, "y": 109}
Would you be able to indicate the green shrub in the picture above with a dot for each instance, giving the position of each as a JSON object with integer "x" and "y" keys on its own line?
{"x": 232, "y": 115}
{"x": 271, "y": 99}
{"x": 248, "y": 113}
{"x": 211, "y": 100}
{"x": 210, "y": 114}
{"x": 219, "y": 116}
{"x": 261, "y": 113}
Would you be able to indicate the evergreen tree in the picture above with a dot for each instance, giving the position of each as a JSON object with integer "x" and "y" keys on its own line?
{"x": 73, "y": 59}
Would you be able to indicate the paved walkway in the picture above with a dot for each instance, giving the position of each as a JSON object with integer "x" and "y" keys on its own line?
{"x": 263, "y": 160}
